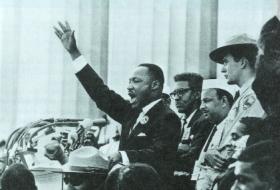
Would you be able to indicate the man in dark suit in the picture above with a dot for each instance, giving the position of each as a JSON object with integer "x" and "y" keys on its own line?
{"x": 194, "y": 127}
{"x": 150, "y": 130}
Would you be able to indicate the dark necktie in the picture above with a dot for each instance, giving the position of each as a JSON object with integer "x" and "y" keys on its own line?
{"x": 210, "y": 137}
{"x": 236, "y": 96}
{"x": 184, "y": 122}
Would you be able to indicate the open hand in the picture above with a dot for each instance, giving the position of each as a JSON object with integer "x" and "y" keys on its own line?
{"x": 67, "y": 38}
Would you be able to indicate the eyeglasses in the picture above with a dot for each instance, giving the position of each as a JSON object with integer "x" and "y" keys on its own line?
{"x": 179, "y": 92}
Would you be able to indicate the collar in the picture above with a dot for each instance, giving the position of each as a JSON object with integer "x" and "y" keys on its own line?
{"x": 246, "y": 85}
{"x": 149, "y": 106}
{"x": 190, "y": 117}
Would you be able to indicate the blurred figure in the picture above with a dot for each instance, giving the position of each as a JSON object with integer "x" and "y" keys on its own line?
{"x": 267, "y": 80}
{"x": 135, "y": 176}
{"x": 238, "y": 57}
{"x": 255, "y": 168}
{"x": 18, "y": 177}
{"x": 250, "y": 131}
{"x": 91, "y": 136}
{"x": 194, "y": 127}
{"x": 267, "y": 83}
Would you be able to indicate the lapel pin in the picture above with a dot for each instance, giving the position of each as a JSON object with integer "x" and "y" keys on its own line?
{"x": 144, "y": 120}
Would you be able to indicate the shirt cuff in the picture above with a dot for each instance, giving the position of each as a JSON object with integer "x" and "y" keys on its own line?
{"x": 125, "y": 159}
{"x": 79, "y": 63}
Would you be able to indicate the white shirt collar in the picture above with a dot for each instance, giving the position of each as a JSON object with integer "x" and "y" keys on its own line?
{"x": 246, "y": 85}
{"x": 149, "y": 106}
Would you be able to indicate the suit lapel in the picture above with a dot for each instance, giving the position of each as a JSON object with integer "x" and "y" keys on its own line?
{"x": 195, "y": 117}
{"x": 129, "y": 124}
{"x": 150, "y": 115}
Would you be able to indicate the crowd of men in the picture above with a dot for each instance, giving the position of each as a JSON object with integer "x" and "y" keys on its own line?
{"x": 220, "y": 142}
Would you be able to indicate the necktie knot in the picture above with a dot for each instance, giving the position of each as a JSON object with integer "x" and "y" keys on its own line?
{"x": 184, "y": 121}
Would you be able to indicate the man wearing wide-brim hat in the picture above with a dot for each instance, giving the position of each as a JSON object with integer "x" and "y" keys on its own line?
{"x": 86, "y": 169}
{"x": 238, "y": 57}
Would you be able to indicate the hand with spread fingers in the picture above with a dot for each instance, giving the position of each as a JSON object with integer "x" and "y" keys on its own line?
{"x": 67, "y": 38}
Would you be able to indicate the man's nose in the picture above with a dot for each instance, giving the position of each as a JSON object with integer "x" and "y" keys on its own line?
{"x": 202, "y": 106}
{"x": 129, "y": 87}
{"x": 176, "y": 97}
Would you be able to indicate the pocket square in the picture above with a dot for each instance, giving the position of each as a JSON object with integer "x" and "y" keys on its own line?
{"x": 141, "y": 135}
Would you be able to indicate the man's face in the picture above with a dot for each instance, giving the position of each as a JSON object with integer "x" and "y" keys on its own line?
{"x": 211, "y": 106}
{"x": 239, "y": 131}
{"x": 267, "y": 80}
{"x": 231, "y": 69}
{"x": 247, "y": 178}
{"x": 139, "y": 87}
{"x": 183, "y": 96}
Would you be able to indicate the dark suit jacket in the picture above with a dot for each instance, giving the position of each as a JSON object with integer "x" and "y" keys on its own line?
{"x": 159, "y": 137}
{"x": 199, "y": 132}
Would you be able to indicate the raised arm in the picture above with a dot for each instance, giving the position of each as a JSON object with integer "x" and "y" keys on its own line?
{"x": 106, "y": 100}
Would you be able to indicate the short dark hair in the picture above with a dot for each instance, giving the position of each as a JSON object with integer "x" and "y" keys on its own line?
{"x": 262, "y": 159}
{"x": 155, "y": 71}
{"x": 239, "y": 52}
{"x": 136, "y": 176}
{"x": 18, "y": 177}
{"x": 221, "y": 92}
{"x": 195, "y": 80}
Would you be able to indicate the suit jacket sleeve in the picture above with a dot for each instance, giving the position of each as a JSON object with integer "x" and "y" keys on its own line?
{"x": 106, "y": 100}
{"x": 164, "y": 142}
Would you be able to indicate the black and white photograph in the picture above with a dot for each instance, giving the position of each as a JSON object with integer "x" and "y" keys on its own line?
{"x": 140, "y": 95}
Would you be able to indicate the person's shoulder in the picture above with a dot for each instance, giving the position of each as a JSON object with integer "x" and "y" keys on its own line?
{"x": 250, "y": 99}
{"x": 168, "y": 113}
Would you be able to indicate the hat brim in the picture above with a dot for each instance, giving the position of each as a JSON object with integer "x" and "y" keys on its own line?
{"x": 82, "y": 170}
{"x": 218, "y": 54}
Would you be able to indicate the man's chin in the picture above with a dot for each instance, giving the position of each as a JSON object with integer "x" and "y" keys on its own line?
{"x": 134, "y": 104}
{"x": 206, "y": 116}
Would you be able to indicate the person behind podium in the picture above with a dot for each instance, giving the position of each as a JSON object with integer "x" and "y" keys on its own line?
{"x": 150, "y": 129}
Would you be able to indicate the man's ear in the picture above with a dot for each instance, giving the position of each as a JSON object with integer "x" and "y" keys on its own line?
{"x": 155, "y": 85}
{"x": 224, "y": 101}
{"x": 197, "y": 95}
{"x": 244, "y": 62}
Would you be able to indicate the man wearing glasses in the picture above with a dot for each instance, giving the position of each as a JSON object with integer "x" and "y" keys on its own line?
{"x": 194, "y": 127}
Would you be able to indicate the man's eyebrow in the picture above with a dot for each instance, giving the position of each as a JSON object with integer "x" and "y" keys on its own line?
{"x": 207, "y": 98}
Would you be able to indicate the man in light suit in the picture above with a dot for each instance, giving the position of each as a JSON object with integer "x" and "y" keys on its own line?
{"x": 150, "y": 129}
{"x": 238, "y": 57}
